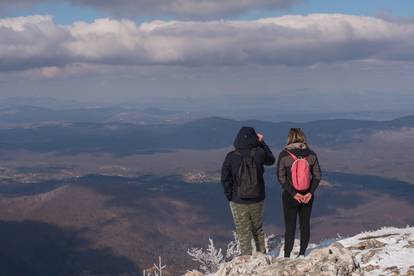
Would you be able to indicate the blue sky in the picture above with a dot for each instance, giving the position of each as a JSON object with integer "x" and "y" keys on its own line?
{"x": 396, "y": 8}
{"x": 359, "y": 7}
{"x": 62, "y": 13}
{"x": 68, "y": 13}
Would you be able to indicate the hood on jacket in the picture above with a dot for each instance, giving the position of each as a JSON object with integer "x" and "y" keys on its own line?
{"x": 299, "y": 149}
{"x": 296, "y": 146}
{"x": 246, "y": 138}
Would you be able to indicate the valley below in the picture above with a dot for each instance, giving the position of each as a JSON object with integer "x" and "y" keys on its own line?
{"x": 70, "y": 208}
{"x": 127, "y": 222}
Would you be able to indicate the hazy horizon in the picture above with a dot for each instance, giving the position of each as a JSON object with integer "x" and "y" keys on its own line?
{"x": 268, "y": 109}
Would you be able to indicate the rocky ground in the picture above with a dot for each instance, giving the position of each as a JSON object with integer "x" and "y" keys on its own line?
{"x": 388, "y": 251}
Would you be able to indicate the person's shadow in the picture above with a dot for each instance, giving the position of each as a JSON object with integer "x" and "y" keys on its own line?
{"x": 31, "y": 248}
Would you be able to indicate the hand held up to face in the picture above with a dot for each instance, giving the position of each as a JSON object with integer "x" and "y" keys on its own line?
{"x": 260, "y": 137}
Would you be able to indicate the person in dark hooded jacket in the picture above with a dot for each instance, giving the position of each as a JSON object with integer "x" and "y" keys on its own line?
{"x": 297, "y": 203}
{"x": 247, "y": 212}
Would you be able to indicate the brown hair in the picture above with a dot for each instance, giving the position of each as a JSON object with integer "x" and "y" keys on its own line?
{"x": 296, "y": 135}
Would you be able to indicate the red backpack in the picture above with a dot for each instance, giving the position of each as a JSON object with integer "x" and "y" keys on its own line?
{"x": 300, "y": 172}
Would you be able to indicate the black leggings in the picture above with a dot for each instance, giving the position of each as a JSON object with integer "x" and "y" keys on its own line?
{"x": 291, "y": 210}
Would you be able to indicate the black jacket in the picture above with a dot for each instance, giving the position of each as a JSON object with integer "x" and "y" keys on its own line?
{"x": 284, "y": 164}
{"x": 245, "y": 141}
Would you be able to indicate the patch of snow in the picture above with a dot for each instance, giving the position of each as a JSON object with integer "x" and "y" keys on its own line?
{"x": 397, "y": 250}
{"x": 387, "y": 251}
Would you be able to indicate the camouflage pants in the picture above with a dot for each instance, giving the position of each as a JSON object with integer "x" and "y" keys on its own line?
{"x": 248, "y": 222}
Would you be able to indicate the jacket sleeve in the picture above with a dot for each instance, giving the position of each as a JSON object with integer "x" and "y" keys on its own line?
{"x": 227, "y": 177}
{"x": 316, "y": 175}
{"x": 269, "y": 158}
{"x": 282, "y": 176}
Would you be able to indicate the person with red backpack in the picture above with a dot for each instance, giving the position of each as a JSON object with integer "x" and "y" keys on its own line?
{"x": 299, "y": 174}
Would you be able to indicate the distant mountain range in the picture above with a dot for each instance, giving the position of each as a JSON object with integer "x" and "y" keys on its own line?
{"x": 206, "y": 133}
{"x": 44, "y": 102}
{"x": 23, "y": 115}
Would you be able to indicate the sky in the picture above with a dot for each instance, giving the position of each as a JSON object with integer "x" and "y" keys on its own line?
{"x": 286, "y": 55}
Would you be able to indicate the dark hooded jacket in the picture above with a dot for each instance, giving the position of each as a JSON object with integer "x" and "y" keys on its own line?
{"x": 285, "y": 162}
{"x": 245, "y": 141}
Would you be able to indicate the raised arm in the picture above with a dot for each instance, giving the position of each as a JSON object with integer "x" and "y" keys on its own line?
{"x": 269, "y": 158}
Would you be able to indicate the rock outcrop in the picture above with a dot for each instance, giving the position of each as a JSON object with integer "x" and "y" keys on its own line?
{"x": 332, "y": 260}
{"x": 388, "y": 251}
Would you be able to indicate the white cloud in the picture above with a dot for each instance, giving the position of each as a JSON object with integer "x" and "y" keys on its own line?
{"x": 30, "y": 42}
{"x": 36, "y": 41}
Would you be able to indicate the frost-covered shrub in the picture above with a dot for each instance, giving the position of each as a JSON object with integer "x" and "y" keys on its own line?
{"x": 233, "y": 248}
{"x": 272, "y": 242}
{"x": 209, "y": 260}
{"x": 158, "y": 269}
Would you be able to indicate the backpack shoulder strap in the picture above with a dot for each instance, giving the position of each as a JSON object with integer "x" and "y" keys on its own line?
{"x": 292, "y": 155}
